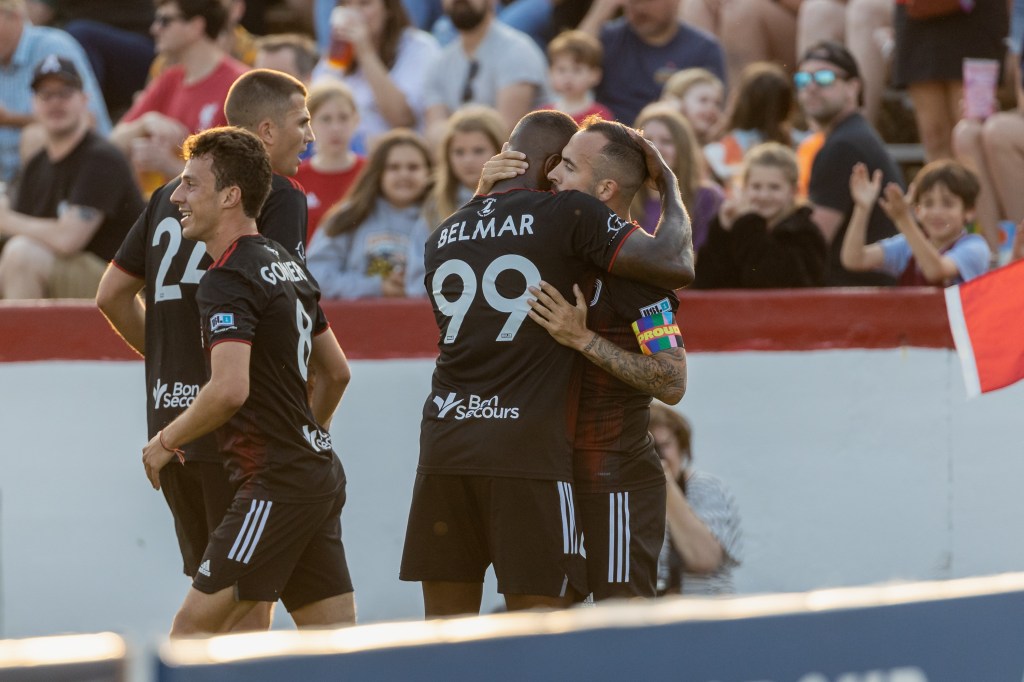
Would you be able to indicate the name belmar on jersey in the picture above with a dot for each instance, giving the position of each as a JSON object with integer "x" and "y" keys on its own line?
{"x": 501, "y": 381}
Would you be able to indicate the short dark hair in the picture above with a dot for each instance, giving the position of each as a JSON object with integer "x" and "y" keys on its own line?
{"x": 239, "y": 159}
{"x": 621, "y": 159}
{"x": 833, "y": 53}
{"x": 213, "y": 13}
{"x": 301, "y": 46}
{"x": 261, "y": 94}
{"x": 952, "y": 175}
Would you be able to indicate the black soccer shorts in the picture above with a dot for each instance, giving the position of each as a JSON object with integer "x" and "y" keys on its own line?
{"x": 198, "y": 494}
{"x": 623, "y": 533}
{"x": 272, "y": 550}
{"x": 526, "y": 528}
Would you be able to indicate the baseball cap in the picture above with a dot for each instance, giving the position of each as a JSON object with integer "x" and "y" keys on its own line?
{"x": 57, "y": 67}
{"x": 835, "y": 54}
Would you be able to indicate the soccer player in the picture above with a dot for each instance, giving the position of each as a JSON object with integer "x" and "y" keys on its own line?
{"x": 492, "y": 485}
{"x": 263, "y": 330}
{"x": 166, "y": 329}
{"x": 617, "y": 473}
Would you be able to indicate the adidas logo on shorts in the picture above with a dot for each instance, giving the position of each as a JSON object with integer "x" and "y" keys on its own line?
{"x": 204, "y": 568}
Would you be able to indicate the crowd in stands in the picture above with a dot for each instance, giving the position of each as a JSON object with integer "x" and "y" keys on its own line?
{"x": 768, "y": 111}
{"x": 765, "y": 110}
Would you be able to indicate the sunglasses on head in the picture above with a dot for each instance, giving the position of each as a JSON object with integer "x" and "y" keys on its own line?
{"x": 822, "y": 78}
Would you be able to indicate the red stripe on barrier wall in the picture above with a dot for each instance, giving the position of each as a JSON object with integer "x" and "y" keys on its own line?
{"x": 388, "y": 328}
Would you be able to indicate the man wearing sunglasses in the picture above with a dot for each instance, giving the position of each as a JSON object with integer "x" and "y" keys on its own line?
{"x": 185, "y": 98}
{"x": 829, "y": 90}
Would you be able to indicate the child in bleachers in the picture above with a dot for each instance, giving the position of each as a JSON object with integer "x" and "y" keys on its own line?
{"x": 574, "y": 71}
{"x": 939, "y": 251}
{"x": 672, "y": 135}
{"x": 762, "y": 238}
{"x": 371, "y": 244}
{"x": 332, "y": 169}
{"x": 698, "y": 95}
{"x": 760, "y": 111}
{"x": 474, "y": 134}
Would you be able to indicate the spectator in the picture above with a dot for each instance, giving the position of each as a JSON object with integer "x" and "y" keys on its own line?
{"x": 489, "y": 64}
{"x": 761, "y": 238}
{"x": 828, "y": 88}
{"x": 929, "y": 62}
{"x": 643, "y": 49}
{"x": 703, "y": 542}
{"x": 291, "y": 53}
{"x": 387, "y": 69}
{"x": 671, "y": 134}
{"x": 939, "y": 251}
{"x": 372, "y": 243}
{"x": 761, "y": 109}
{"x": 994, "y": 150}
{"x": 473, "y": 135}
{"x": 76, "y": 202}
{"x": 750, "y": 30}
{"x": 115, "y": 36}
{"x": 22, "y": 46}
{"x": 697, "y": 94}
{"x": 327, "y": 175}
{"x": 865, "y": 26}
{"x": 186, "y": 97}
{"x": 575, "y": 69}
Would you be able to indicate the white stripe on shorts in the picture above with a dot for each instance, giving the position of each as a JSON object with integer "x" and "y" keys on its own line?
{"x": 570, "y": 539}
{"x": 251, "y": 532}
{"x": 618, "y": 537}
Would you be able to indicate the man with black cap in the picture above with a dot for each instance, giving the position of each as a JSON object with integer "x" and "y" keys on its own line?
{"x": 77, "y": 198}
{"x": 830, "y": 91}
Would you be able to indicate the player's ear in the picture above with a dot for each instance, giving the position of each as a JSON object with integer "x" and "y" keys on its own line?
{"x": 551, "y": 162}
{"x": 265, "y": 130}
{"x": 606, "y": 189}
{"x": 231, "y": 197}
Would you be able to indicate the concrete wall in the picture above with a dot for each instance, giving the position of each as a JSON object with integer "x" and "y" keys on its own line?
{"x": 849, "y": 466}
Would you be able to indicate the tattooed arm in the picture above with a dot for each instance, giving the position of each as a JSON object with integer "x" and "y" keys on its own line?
{"x": 662, "y": 375}
{"x": 65, "y": 235}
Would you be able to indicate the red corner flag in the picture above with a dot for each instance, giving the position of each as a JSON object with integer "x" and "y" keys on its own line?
{"x": 986, "y": 316}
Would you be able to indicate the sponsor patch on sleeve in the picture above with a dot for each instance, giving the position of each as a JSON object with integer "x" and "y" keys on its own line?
{"x": 662, "y": 306}
{"x": 222, "y": 322}
{"x": 657, "y": 333}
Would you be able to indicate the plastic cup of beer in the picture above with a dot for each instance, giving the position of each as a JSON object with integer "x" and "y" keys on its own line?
{"x": 340, "y": 52}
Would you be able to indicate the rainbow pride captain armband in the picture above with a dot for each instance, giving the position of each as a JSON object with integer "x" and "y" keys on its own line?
{"x": 657, "y": 332}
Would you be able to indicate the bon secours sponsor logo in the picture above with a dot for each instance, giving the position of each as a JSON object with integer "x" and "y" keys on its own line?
{"x": 176, "y": 395}
{"x": 473, "y": 407}
{"x": 317, "y": 439}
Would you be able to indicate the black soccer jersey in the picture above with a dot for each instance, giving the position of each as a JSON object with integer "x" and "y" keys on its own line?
{"x": 155, "y": 250}
{"x": 257, "y": 293}
{"x": 614, "y": 451}
{"x": 501, "y": 403}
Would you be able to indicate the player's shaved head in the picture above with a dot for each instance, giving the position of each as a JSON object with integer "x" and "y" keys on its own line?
{"x": 541, "y": 135}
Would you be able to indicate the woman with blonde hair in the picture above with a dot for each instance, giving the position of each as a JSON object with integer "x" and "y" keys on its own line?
{"x": 371, "y": 244}
{"x": 473, "y": 134}
{"x": 672, "y": 135}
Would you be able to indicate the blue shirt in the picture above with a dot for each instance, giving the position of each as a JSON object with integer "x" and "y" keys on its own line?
{"x": 970, "y": 253}
{"x": 16, "y": 85}
{"x": 635, "y": 72}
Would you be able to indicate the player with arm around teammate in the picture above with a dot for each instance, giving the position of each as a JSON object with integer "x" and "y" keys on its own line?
{"x": 263, "y": 330}
{"x": 619, "y": 483}
{"x": 493, "y": 483}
